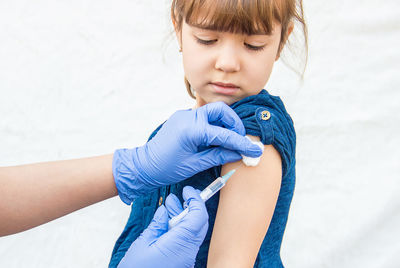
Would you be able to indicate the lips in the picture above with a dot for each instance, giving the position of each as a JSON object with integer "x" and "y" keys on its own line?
{"x": 225, "y": 88}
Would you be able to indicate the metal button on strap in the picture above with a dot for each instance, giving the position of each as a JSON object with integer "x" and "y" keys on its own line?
{"x": 265, "y": 115}
{"x": 160, "y": 201}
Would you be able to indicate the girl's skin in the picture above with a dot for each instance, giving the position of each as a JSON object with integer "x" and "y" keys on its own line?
{"x": 223, "y": 66}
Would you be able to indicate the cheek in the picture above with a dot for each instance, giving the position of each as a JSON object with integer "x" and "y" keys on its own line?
{"x": 195, "y": 64}
{"x": 261, "y": 71}
{"x": 266, "y": 62}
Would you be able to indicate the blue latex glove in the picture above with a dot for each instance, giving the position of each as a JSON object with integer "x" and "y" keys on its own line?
{"x": 176, "y": 248}
{"x": 175, "y": 154}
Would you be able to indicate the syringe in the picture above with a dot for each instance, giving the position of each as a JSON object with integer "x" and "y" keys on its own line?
{"x": 206, "y": 194}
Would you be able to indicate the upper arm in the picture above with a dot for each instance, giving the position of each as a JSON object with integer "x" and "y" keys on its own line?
{"x": 245, "y": 210}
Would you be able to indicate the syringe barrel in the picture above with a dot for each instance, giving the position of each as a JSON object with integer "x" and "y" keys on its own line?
{"x": 214, "y": 187}
{"x": 174, "y": 221}
{"x": 206, "y": 194}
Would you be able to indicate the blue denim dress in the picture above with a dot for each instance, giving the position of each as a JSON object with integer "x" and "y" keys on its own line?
{"x": 263, "y": 115}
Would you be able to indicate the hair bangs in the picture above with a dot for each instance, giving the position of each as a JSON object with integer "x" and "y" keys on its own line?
{"x": 236, "y": 16}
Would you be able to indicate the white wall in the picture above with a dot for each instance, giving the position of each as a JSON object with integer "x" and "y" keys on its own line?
{"x": 77, "y": 77}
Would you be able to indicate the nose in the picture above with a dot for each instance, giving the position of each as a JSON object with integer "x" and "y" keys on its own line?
{"x": 228, "y": 59}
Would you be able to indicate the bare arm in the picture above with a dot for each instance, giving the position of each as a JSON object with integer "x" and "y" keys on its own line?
{"x": 31, "y": 195}
{"x": 245, "y": 210}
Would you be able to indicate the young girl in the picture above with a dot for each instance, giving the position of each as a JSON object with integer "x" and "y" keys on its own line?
{"x": 229, "y": 48}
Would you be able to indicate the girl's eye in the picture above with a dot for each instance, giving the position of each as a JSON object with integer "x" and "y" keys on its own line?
{"x": 210, "y": 42}
{"x": 255, "y": 48}
{"x": 205, "y": 42}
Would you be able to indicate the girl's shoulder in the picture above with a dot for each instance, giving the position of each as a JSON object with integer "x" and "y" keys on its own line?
{"x": 265, "y": 116}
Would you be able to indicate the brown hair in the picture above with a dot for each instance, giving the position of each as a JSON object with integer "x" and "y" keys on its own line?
{"x": 241, "y": 16}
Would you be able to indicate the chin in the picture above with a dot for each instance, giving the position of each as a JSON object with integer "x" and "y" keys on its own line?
{"x": 226, "y": 100}
{"x": 202, "y": 100}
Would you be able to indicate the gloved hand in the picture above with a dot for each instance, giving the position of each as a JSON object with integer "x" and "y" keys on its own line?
{"x": 176, "y": 248}
{"x": 174, "y": 152}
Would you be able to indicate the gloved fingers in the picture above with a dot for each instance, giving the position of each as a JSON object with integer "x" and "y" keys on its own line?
{"x": 227, "y": 139}
{"x": 220, "y": 114}
{"x": 197, "y": 216}
{"x": 157, "y": 227}
{"x": 173, "y": 205}
{"x": 189, "y": 193}
{"x": 185, "y": 204}
{"x": 203, "y": 230}
{"x": 214, "y": 157}
{"x": 190, "y": 232}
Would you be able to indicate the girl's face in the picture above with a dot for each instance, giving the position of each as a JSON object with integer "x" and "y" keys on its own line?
{"x": 224, "y": 66}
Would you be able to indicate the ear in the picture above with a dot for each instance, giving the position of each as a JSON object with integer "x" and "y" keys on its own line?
{"x": 288, "y": 32}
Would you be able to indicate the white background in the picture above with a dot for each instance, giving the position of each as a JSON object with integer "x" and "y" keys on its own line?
{"x": 82, "y": 78}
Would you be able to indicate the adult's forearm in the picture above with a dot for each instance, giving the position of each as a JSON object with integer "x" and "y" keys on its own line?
{"x": 31, "y": 195}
